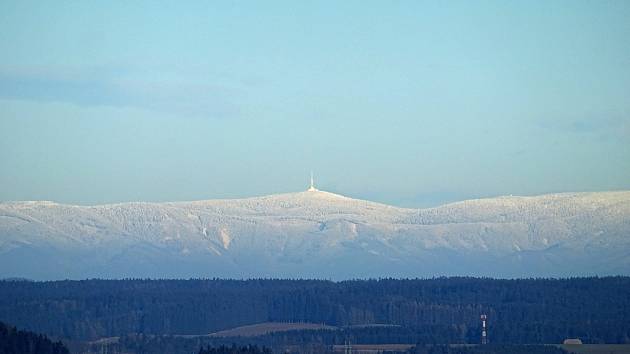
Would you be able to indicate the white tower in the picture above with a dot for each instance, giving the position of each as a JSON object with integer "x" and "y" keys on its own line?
{"x": 484, "y": 331}
{"x": 312, "y": 187}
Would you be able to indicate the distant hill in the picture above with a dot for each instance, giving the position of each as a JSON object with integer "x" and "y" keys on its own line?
{"x": 316, "y": 234}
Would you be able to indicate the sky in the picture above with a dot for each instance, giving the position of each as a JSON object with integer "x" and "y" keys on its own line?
{"x": 411, "y": 103}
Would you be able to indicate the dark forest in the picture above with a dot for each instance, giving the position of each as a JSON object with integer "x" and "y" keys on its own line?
{"x": 442, "y": 310}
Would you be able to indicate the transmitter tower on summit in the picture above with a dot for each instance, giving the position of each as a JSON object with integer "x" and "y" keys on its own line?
{"x": 312, "y": 186}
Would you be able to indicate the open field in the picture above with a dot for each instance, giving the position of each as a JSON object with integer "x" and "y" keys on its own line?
{"x": 597, "y": 348}
{"x": 374, "y": 348}
{"x": 269, "y": 327}
{"x": 576, "y": 349}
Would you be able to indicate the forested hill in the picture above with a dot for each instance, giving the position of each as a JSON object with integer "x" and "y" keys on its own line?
{"x": 596, "y": 310}
{"x": 13, "y": 341}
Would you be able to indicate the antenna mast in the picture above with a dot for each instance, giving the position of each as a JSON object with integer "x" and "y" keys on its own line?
{"x": 312, "y": 187}
{"x": 484, "y": 331}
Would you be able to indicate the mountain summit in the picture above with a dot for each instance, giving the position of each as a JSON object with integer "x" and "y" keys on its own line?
{"x": 317, "y": 234}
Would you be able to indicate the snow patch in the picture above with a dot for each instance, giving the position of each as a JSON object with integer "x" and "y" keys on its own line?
{"x": 225, "y": 238}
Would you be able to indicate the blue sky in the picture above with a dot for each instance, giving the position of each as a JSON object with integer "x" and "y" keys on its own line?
{"x": 405, "y": 102}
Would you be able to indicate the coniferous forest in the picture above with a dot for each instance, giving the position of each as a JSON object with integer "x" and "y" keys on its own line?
{"x": 441, "y": 310}
{"x": 234, "y": 350}
{"x": 14, "y": 341}
{"x": 487, "y": 349}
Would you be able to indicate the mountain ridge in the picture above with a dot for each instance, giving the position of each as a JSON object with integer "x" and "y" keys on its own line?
{"x": 319, "y": 234}
{"x": 267, "y": 196}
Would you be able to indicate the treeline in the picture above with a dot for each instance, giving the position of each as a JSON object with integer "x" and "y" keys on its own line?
{"x": 442, "y": 310}
{"x": 249, "y": 349}
{"x": 179, "y": 345}
{"x": 486, "y": 349}
{"x": 308, "y": 341}
{"x": 13, "y": 341}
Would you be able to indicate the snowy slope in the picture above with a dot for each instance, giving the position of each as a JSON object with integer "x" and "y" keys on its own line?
{"x": 318, "y": 234}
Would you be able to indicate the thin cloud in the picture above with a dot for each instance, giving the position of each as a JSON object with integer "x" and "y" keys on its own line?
{"x": 605, "y": 126}
{"x": 172, "y": 95}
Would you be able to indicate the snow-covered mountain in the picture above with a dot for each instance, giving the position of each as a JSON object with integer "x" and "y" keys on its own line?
{"x": 318, "y": 234}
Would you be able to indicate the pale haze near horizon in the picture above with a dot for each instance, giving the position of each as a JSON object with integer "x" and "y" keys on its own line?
{"x": 407, "y": 103}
